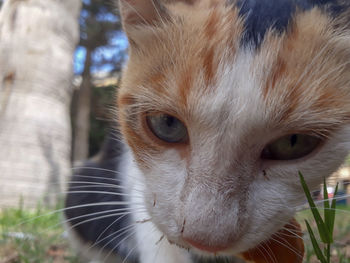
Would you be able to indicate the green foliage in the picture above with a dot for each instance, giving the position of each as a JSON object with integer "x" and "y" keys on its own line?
{"x": 33, "y": 236}
{"x": 325, "y": 226}
{"x": 100, "y": 26}
{"x": 101, "y": 116}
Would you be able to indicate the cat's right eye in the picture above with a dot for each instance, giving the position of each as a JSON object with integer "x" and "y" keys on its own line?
{"x": 291, "y": 147}
{"x": 167, "y": 128}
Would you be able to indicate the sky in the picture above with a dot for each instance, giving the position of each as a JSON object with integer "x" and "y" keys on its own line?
{"x": 120, "y": 42}
{"x": 117, "y": 43}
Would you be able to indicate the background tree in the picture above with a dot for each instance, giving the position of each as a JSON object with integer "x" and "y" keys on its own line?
{"x": 38, "y": 39}
{"x": 103, "y": 47}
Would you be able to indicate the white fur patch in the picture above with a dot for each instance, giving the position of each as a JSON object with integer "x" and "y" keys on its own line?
{"x": 152, "y": 245}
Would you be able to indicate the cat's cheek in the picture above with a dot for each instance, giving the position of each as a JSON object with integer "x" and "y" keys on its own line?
{"x": 269, "y": 207}
{"x": 164, "y": 182}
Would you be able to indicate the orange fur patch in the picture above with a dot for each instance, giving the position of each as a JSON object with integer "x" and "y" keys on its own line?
{"x": 126, "y": 100}
{"x": 209, "y": 67}
{"x": 307, "y": 72}
{"x": 285, "y": 246}
{"x": 185, "y": 84}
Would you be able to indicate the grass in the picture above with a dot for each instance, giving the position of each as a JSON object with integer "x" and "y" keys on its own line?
{"x": 341, "y": 247}
{"x": 323, "y": 246}
{"x": 28, "y": 240}
{"x": 41, "y": 240}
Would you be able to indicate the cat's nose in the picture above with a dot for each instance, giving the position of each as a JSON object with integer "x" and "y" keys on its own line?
{"x": 205, "y": 247}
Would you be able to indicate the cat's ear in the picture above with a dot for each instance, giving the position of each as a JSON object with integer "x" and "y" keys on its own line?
{"x": 137, "y": 15}
{"x": 141, "y": 12}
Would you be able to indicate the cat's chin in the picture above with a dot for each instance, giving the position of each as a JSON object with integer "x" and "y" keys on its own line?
{"x": 206, "y": 251}
{"x": 286, "y": 244}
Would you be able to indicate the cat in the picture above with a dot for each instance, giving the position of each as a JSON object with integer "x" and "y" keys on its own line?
{"x": 222, "y": 103}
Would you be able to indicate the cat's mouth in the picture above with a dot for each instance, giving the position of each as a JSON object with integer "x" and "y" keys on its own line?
{"x": 208, "y": 248}
{"x": 291, "y": 245}
{"x": 201, "y": 247}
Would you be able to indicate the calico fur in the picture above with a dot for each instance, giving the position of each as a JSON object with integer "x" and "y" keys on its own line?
{"x": 239, "y": 75}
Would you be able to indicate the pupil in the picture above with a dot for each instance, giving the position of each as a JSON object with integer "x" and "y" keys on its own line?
{"x": 293, "y": 140}
{"x": 169, "y": 121}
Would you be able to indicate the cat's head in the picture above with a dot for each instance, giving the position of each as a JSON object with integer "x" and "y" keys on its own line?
{"x": 222, "y": 103}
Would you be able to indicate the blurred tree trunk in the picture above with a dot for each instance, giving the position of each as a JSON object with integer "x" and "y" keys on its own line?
{"x": 37, "y": 41}
{"x": 82, "y": 109}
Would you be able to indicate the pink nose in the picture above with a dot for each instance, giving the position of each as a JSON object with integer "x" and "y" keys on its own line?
{"x": 207, "y": 248}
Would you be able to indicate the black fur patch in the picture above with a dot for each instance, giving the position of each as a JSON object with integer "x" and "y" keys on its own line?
{"x": 102, "y": 225}
{"x": 262, "y": 15}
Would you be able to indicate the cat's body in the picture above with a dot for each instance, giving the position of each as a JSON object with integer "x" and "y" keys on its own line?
{"x": 222, "y": 103}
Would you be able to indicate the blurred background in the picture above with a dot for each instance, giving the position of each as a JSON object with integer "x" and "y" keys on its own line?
{"x": 60, "y": 67}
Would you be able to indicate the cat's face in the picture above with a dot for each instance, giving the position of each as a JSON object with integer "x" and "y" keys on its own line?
{"x": 220, "y": 128}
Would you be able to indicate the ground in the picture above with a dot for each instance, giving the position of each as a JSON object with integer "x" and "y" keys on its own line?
{"x": 37, "y": 236}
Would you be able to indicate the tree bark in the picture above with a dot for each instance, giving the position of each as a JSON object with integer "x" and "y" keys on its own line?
{"x": 82, "y": 114}
{"x": 37, "y": 41}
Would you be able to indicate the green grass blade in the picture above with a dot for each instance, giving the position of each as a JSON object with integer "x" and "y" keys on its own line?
{"x": 317, "y": 249}
{"x": 321, "y": 226}
{"x": 327, "y": 212}
{"x": 332, "y": 211}
{"x": 328, "y": 252}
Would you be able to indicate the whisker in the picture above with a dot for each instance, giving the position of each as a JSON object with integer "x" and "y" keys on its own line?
{"x": 267, "y": 252}
{"x": 115, "y": 247}
{"x": 114, "y": 182}
{"x": 139, "y": 194}
{"x": 112, "y": 186}
{"x": 330, "y": 199}
{"x": 106, "y": 178}
{"x": 292, "y": 231}
{"x": 97, "y": 183}
{"x": 262, "y": 253}
{"x": 90, "y": 192}
{"x": 96, "y": 192}
{"x": 128, "y": 255}
{"x": 89, "y": 185}
{"x": 98, "y": 218}
{"x": 288, "y": 246}
{"x": 127, "y": 209}
{"x": 99, "y": 169}
{"x": 73, "y": 207}
{"x": 272, "y": 253}
{"x": 110, "y": 225}
{"x": 114, "y": 238}
{"x": 291, "y": 235}
{"x": 323, "y": 208}
{"x": 124, "y": 230}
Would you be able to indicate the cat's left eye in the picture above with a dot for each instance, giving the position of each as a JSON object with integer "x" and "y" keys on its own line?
{"x": 291, "y": 147}
{"x": 167, "y": 128}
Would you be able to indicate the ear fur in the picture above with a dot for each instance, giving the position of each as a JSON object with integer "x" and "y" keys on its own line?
{"x": 141, "y": 12}
{"x": 138, "y": 14}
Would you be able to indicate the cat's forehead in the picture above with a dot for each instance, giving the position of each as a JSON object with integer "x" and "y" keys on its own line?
{"x": 206, "y": 61}
{"x": 260, "y": 16}
{"x": 197, "y": 29}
